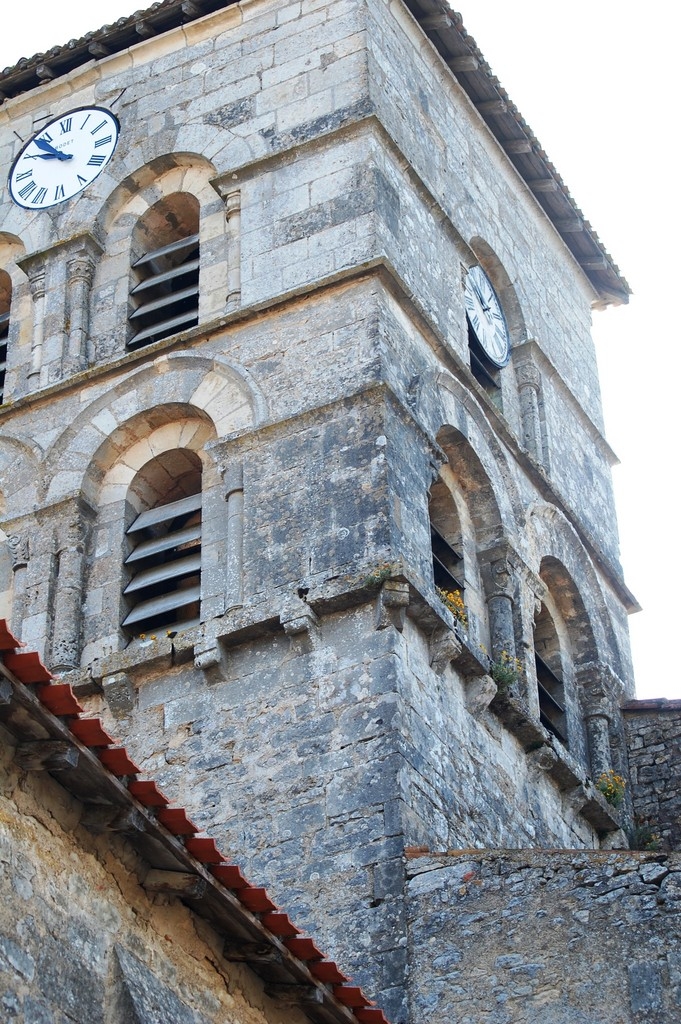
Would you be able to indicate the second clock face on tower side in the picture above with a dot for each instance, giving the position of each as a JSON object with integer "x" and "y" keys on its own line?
{"x": 486, "y": 317}
{"x": 63, "y": 157}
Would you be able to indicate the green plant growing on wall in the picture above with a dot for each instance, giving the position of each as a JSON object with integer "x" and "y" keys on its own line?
{"x": 382, "y": 572}
{"x": 612, "y": 787}
{"x": 453, "y": 600}
{"x": 643, "y": 835}
{"x": 506, "y": 670}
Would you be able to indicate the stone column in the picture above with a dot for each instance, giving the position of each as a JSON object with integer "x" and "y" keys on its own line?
{"x": 233, "y": 215}
{"x": 19, "y": 551}
{"x": 529, "y": 384}
{"x": 68, "y": 594}
{"x": 80, "y": 267}
{"x": 234, "y": 496}
{"x": 597, "y": 713}
{"x": 36, "y": 280}
{"x": 499, "y": 572}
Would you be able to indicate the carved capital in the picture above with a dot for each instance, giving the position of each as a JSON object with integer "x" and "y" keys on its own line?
{"x": 500, "y": 569}
{"x": 81, "y": 267}
{"x": 19, "y": 550}
{"x": 528, "y": 376}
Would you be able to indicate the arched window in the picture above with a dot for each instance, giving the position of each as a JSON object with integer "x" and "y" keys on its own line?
{"x": 163, "y": 566}
{"x": 5, "y": 302}
{"x": 549, "y": 667}
{"x": 164, "y": 289}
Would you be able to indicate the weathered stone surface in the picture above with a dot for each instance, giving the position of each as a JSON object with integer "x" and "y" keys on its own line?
{"x": 81, "y": 942}
{"x": 529, "y": 936}
{"x": 316, "y": 723}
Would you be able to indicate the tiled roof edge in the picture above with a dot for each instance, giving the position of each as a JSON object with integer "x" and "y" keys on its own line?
{"x": 652, "y": 704}
{"x": 88, "y": 755}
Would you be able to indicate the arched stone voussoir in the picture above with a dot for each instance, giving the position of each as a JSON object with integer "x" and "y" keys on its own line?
{"x": 177, "y": 388}
{"x": 551, "y": 536}
{"x": 445, "y": 405}
{"x": 20, "y": 471}
{"x": 150, "y": 176}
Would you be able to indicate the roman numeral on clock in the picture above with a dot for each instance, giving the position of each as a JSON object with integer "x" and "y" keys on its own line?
{"x": 39, "y": 196}
{"x": 24, "y": 174}
{"x": 96, "y": 161}
{"x": 59, "y": 193}
{"x": 29, "y": 187}
{"x": 65, "y": 125}
{"x": 103, "y": 142}
{"x": 102, "y": 124}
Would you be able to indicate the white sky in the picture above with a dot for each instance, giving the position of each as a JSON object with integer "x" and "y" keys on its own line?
{"x": 596, "y": 81}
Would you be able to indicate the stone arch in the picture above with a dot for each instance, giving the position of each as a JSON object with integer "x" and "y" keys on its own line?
{"x": 140, "y": 441}
{"x": 503, "y": 286}
{"x": 186, "y": 178}
{"x": 553, "y": 541}
{"x": 443, "y": 399}
{"x": 474, "y": 483}
{"x": 214, "y": 389}
{"x": 137, "y": 466}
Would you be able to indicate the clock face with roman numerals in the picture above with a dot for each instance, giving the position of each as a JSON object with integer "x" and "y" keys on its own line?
{"x": 486, "y": 317}
{"x": 63, "y": 157}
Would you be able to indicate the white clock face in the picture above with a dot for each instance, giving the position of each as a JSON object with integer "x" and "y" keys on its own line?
{"x": 486, "y": 317}
{"x": 63, "y": 157}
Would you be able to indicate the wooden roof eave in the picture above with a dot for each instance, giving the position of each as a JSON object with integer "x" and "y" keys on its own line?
{"x": 459, "y": 51}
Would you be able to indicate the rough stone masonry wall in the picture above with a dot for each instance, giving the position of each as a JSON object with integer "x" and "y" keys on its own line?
{"x": 653, "y": 730}
{"x": 558, "y": 938}
{"x": 80, "y": 941}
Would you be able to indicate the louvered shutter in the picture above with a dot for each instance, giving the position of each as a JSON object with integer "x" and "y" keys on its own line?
{"x": 165, "y": 586}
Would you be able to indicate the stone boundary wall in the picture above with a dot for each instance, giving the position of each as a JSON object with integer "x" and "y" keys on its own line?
{"x": 653, "y": 729}
{"x": 557, "y": 937}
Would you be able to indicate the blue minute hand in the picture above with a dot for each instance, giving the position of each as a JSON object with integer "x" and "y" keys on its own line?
{"x": 42, "y": 144}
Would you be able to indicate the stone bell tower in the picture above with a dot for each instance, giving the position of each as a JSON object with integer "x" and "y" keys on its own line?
{"x": 304, "y": 482}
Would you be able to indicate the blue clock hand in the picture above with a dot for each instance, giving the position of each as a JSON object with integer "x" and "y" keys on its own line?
{"x": 54, "y": 153}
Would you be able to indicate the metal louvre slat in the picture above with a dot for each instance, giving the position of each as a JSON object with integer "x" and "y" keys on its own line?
{"x": 165, "y": 572}
{"x": 166, "y": 250}
{"x": 190, "y": 318}
{"x": 549, "y": 699}
{"x": 170, "y": 540}
{"x": 162, "y": 513}
{"x": 165, "y": 603}
{"x": 168, "y": 275}
{"x": 166, "y": 300}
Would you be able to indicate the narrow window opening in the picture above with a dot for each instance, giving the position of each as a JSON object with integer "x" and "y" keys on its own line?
{"x": 445, "y": 540}
{"x": 550, "y": 687}
{"x": 484, "y": 371}
{"x": 5, "y": 302}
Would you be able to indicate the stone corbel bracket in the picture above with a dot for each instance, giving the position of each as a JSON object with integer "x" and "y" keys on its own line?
{"x": 392, "y": 604}
{"x": 207, "y": 654}
{"x": 449, "y": 646}
{"x": 301, "y": 626}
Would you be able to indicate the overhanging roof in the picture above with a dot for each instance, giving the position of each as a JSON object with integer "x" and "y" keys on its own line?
{"x": 460, "y": 52}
